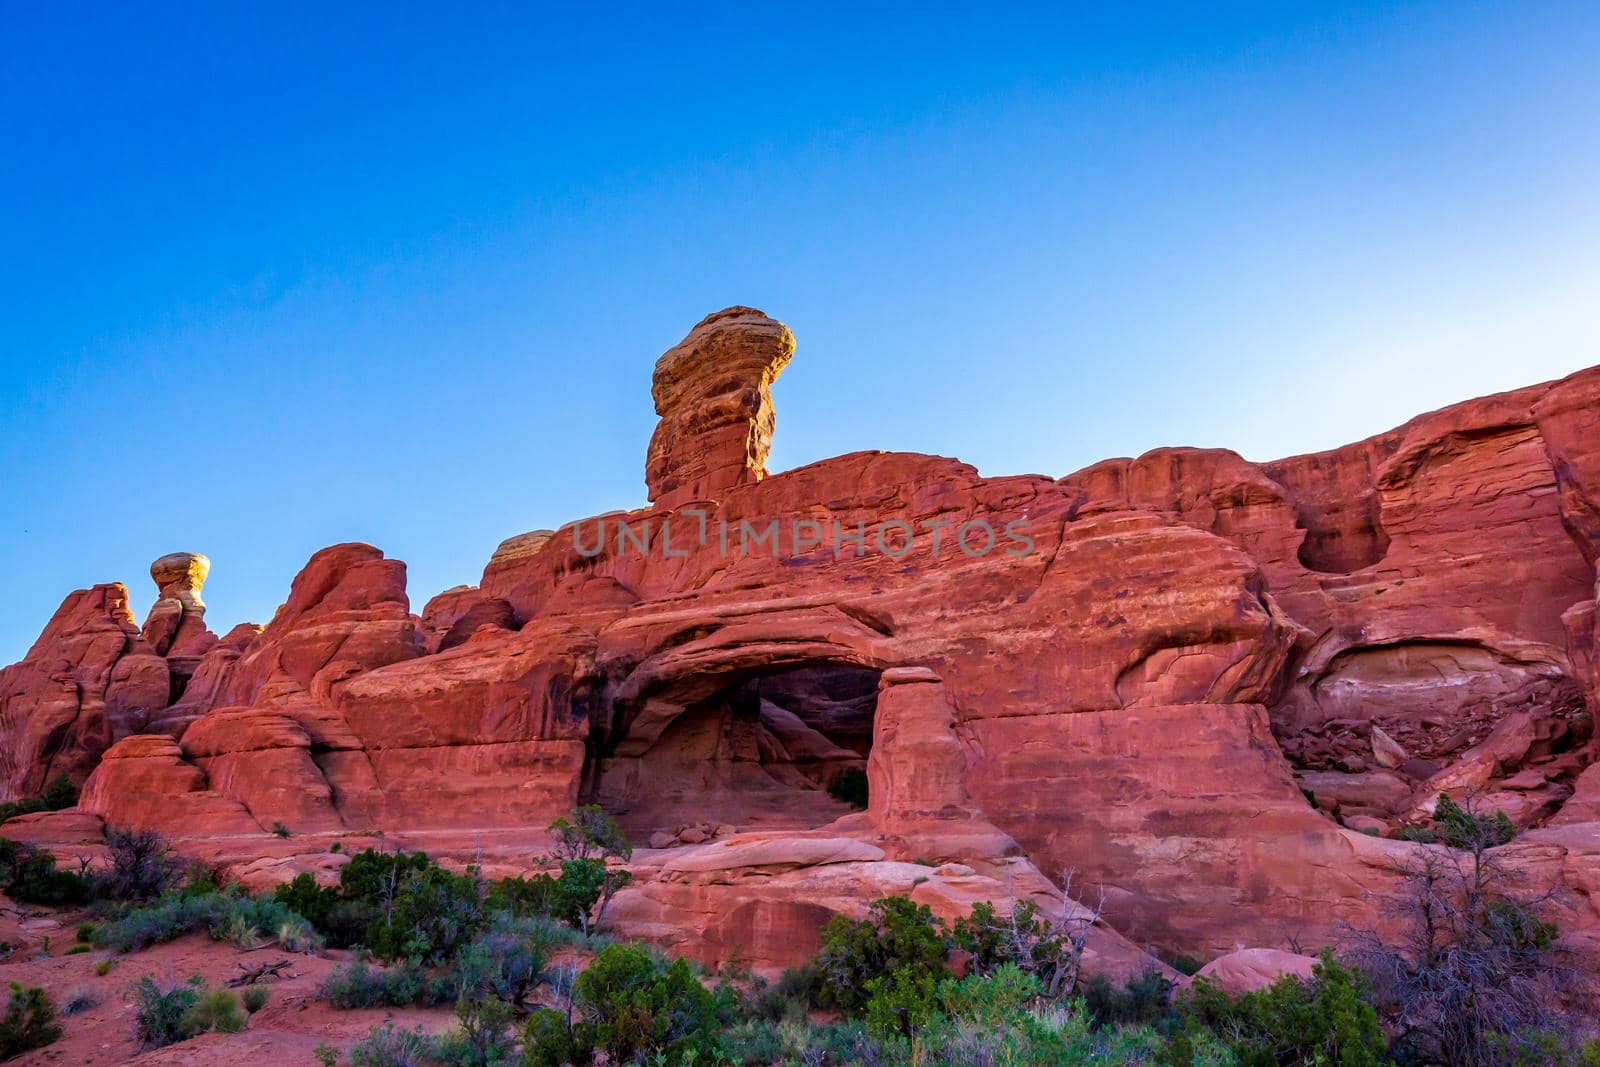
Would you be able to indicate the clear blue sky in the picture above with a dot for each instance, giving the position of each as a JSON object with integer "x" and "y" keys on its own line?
{"x": 282, "y": 275}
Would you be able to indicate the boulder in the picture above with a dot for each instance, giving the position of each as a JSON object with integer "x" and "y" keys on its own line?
{"x": 1249, "y": 969}
{"x": 1388, "y": 752}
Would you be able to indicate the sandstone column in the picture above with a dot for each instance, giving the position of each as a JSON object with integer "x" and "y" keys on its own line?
{"x": 712, "y": 391}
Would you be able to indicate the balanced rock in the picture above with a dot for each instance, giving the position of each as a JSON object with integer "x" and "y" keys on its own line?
{"x": 713, "y": 393}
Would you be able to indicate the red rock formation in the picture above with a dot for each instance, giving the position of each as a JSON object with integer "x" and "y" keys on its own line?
{"x": 1125, "y": 677}
{"x": 712, "y": 393}
{"x": 88, "y": 680}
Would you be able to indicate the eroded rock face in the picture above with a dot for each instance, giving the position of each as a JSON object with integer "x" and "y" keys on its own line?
{"x": 1177, "y": 686}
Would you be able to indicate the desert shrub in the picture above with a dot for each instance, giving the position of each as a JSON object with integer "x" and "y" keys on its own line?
{"x": 139, "y": 928}
{"x": 390, "y": 1046}
{"x": 254, "y": 997}
{"x": 399, "y": 905}
{"x": 30, "y": 875}
{"x": 433, "y": 913}
{"x": 280, "y": 830}
{"x": 1466, "y": 828}
{"x": 229, "y": 916}
{"x": 796, "y": 991}
{"x": 1477, "y": 976}
{"x": 584, "y": 888}
{"x": 585, "y": 841}
{"x": 142, "y": 867}
{"x": 1024, "y": 938}
{"x": 341, "y": 921}
{"x": 198, "y": 879}
{"x": 635, "y": 1007}
{"x": 548, "y": 1040}
{"x": 1185, "y": 965}
{"x": 482, "y": 1036}
{"x": 522, "y": 896}
{"x": 79, "y": 1000}
{"x": 214, "y": 1009}
{"x": 1419, "y": 835}
{"x": 589, "y": 833}
{"x": 570, "y": 898}
{"x": 59, "y": 794}
{"x": 376, "y": 876}
{"x": 899, "y": 935}
{"x": 1326, "y": 1020}
{"x": 29, "y": 1021}
{"x": 1144, "y": 1000}
{"x": 850, "y": 787}
{"x": 901, "y": 1002}
{"x": 358, "y": 984}
{"x": 102, "y": 968}
{"x": 295, "y": 934}
{"x": 78, "y": 950}
{"x": 505, "y": 961}
{"x": 159, "y": 1009}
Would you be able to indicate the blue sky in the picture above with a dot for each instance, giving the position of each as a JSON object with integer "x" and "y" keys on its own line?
{"x": 278, "y": 276}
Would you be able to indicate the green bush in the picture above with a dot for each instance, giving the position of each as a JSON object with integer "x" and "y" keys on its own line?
{"x": 214, "y": 1010}
{"x": 634, "y": 1007}
{"x": 482, "y": 1036}
{"x": 850, "y": 787}
{"x": 340, "y": 921}
{"x": 796, "y": 991}
{"x": 360, "y": 985}
{"x": 255, "y": 997}
{"x": 1023, "y": 938}
{"x": 59, "y": 794}
{"x": 523, "y": 896}
{"x": 29, "y": 1021}
{"x": 432, "y": 915}
{"x": 228, "y": 916}
{"x": 160, "y": 1009}
{"x": 898, "y": 936}
{"x": 1463, "y": 828}
{"x": 1145, "y": 999}
{"x": 548, "y": 1040}
{"x": 901, "y": 1001}
{"x": 585, "y": 841}
{"x": 374, "y": 876}
{"x": 30, "y": 875}
{"x": 589, "y": 833}
{"x": 1326, "y": 1020}
{"x": 1420, "y": 835}
{"x": 399, "y": 905}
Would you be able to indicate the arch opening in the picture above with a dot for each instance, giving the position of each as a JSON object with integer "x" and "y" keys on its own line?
{"x": 760, "y": 752}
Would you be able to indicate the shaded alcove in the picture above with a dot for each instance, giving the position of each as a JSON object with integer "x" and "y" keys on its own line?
{"x": 759, "y": 752}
